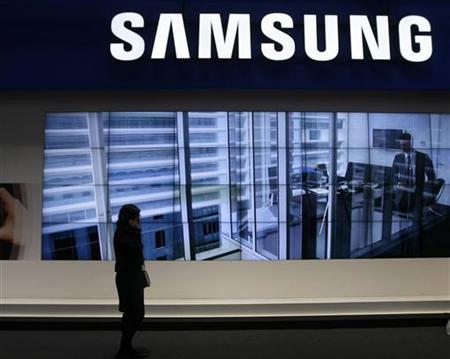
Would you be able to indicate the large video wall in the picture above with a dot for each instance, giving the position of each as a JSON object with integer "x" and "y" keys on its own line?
{"x": 248, "y": 185}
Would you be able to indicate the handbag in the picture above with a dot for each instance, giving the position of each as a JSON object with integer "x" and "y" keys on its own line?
{"x": 147, "y": 282}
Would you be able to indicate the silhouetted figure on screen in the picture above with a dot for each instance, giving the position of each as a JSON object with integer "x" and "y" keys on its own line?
{"x": 130, "y": 278}
{"x": 411, "y": 169}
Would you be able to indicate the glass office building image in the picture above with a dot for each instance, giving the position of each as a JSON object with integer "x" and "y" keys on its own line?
{"x": 248, "y": 185}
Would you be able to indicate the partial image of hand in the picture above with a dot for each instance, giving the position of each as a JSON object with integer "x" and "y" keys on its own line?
{"x": 9, "y": 213}
{"x": 7, "y": 201}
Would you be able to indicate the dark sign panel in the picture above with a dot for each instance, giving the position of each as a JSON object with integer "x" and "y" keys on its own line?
{"x": 135, "y": 44}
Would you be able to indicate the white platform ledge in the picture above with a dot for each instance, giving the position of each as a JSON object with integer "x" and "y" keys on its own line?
{"x": 207, "y": 308}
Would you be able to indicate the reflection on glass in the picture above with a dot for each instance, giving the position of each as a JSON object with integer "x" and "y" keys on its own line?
{"x": 80, "y": 243}
{"x": 70, "y": 212}
{"x": 351, "y": 230}
{"x": 265, "y": 142}
{"x": 208, "y": 142}
{"x": 142, "y": 161}
{"x": 309, "y": 165}
{"x": 384, "y": 184}
{"x": 240, "y": 177}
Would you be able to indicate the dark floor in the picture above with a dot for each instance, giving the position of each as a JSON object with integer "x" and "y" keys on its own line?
{"x": 427, "y": 342}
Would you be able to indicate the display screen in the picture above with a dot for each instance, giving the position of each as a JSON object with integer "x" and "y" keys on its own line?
{"x": 248, "y": 185}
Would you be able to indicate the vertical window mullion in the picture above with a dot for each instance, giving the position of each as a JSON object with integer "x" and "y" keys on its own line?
{"x": 252, "y": 178}
{"x": 226, "y": 186}
{"x": 331, "y": 225}
{"x": 229, "y": 175}
{"x": 185, "y": 184}
{"x": 283, "y": 185}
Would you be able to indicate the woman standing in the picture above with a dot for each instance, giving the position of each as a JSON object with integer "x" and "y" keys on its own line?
{"x": 130, "y": 278}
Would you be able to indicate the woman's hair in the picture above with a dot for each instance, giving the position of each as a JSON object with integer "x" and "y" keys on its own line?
{"x": 126, "y": 213}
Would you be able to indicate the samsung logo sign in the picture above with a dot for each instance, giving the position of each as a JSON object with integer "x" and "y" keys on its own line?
{"x": 413, "y": 32}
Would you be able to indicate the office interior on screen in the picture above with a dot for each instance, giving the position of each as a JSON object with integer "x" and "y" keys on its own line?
{"x": 248, "y": 185}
